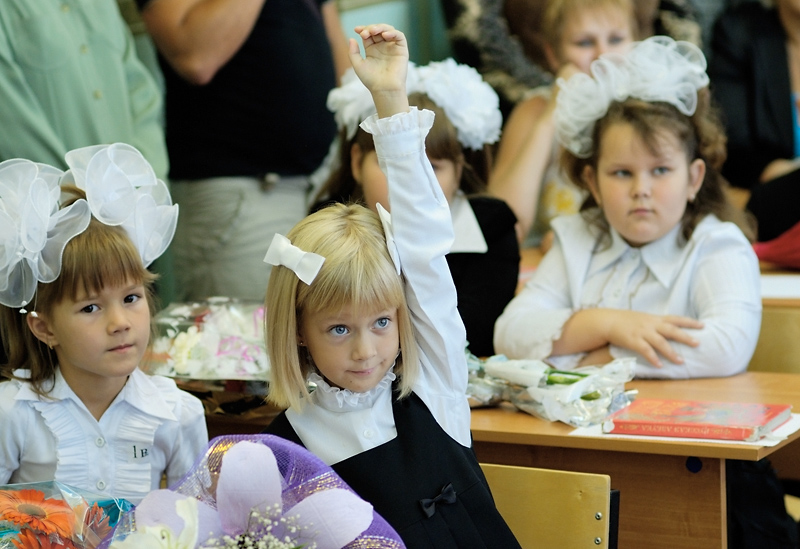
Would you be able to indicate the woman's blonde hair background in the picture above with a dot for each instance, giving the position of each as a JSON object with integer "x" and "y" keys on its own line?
{"x": 99, "y": 257}
{"x": 358, "y": 272}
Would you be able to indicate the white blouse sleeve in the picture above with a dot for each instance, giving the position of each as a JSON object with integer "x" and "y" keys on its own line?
{"x": 533, "y": 320}
{"x": 191, "y": 437}
{"x": 724, "y": 289}
{"x": 16, "y": 424}
{"x": 423, "y": 234}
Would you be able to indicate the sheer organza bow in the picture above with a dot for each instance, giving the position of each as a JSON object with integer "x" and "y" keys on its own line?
{"x": 33, "y": 230}
{"x": 122, "y": 189}
{"x": 656, "y": 69}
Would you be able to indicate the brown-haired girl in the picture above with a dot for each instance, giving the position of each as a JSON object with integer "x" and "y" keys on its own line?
{"x": 653, "y": 267}
{"x": 76, "y": 322}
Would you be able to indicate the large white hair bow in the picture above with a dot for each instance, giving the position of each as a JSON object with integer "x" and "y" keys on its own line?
{"x": 33, "y": 230}
{"x": 122, "y": 189}
{"x": 656, "y": 69}
{"x": 470, "y": 103}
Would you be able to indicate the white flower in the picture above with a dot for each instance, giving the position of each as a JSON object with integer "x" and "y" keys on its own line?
{"x": 161, "y": 536}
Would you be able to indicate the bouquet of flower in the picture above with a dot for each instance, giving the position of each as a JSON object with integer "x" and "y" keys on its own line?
{"x": 220, "y": 338}
{"x": 256, "y": 491}
{"x": 51, "y": 515}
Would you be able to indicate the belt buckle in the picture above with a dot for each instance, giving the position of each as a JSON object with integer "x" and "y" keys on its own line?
{"x": 268, "y": 181}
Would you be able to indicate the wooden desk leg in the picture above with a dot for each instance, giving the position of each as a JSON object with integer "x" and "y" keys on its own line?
{"x": 663, "y": 504}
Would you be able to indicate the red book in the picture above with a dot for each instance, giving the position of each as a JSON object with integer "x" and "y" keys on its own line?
{"x": 697, "y": 419}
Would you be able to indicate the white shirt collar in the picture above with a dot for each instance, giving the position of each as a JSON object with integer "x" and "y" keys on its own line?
{"x": 139, "y": 391}
{"x": 345, "y": 400}
{"x": 468, "y": 235}
{"x": 662, "y": 257}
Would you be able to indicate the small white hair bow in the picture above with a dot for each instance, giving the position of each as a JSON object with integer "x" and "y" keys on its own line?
{"x": 305, "y": 265}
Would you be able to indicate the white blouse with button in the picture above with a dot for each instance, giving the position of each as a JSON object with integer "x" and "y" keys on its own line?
{"x": 337, "y": 424}
{"x": 151, "y": 428}
{"x": 714, "y": 278}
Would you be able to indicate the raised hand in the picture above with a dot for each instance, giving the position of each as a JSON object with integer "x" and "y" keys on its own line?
{"x": 384, "y": 66}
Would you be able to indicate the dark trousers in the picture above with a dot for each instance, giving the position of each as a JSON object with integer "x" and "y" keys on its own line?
{"x": 757, "y": 517}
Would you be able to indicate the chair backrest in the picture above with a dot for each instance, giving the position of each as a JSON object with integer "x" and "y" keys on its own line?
{"x": 549, "y": 508}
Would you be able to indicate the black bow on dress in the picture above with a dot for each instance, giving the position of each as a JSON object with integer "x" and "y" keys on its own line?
{"x": 447, "y": 495}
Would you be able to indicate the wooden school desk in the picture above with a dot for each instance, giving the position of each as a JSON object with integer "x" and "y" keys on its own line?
{"x": 672, "y": 493}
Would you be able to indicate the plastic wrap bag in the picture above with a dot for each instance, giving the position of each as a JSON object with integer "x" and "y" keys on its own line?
{"x": 220, "y": 338}
{"x": 580, "y": 397}
{"x": 52, "y": 514}
{"x": 483, "y": 390}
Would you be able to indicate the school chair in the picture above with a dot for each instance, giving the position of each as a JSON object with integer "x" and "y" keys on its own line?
{"x": 547, "y": 508}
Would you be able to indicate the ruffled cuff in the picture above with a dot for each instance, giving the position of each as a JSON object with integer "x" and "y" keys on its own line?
{"x": 400, "y": 123}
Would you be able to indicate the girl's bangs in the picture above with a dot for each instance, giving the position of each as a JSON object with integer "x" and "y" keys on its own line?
{"x": 99, "y": 257}
{"x": 363, "y": 281}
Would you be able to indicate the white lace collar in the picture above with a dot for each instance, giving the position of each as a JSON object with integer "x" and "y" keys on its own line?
{"x": 334, "y": 398}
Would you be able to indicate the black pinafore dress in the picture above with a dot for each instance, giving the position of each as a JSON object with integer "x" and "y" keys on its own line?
{"x": 425, "y": 484}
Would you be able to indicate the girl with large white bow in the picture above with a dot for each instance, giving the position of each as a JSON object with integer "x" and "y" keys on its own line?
{"x": 654, "y": 266}
{"x": 363, "y": 306}
{"x": 77, "y": 305}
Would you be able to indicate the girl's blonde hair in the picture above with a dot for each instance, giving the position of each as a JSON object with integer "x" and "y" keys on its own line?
{"x": 702, "y": 137}
{"x": 440, "y": 143}
{"x": 358, "y": 272}
{"x": 100, "y": 256}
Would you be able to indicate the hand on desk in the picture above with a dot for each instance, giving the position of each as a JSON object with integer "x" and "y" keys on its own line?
{"x": 646, "y": 334}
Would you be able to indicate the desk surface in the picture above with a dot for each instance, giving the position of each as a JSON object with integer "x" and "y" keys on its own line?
{"x": 506, "y": 425}
{"x": 673, "y": 493}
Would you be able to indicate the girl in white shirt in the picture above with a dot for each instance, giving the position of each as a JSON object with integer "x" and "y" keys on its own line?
{"x": 484, "y": 257}
{"x": 651, "y": 267}
{"x": 363, "y": 306}
{"x": 76, "y": 322}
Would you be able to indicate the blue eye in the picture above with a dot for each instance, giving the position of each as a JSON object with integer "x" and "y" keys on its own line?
{"x": 339, "y": 330}
{"x": 382, "y": 322}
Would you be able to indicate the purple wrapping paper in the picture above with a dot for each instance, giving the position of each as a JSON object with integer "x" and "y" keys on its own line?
{"x": 303, "y": 474}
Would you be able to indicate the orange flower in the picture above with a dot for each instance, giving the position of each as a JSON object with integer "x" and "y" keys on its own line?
{"x": 30, "y": 508}
{"x": 28, "y": 539}
{"x": 96, "y": 526}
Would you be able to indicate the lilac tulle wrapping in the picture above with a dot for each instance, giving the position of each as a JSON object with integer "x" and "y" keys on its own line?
{"x": 302, "y": 473}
